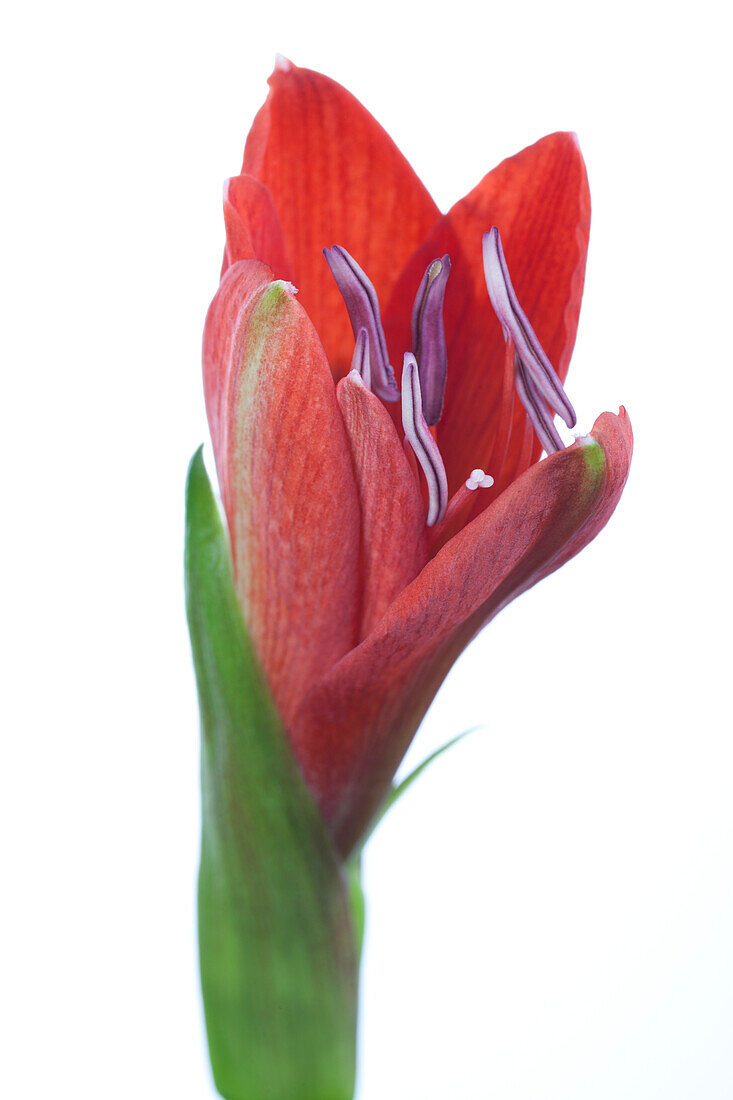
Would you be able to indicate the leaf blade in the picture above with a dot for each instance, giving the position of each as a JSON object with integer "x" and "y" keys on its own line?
{"x": 278, "y": 960}
{"x": 397, "y": 791}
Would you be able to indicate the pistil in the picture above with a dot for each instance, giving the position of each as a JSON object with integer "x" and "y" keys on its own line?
{"x": 537, "y": 384}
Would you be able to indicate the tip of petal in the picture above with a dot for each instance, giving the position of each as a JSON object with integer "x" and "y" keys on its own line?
{"x": 282, "y": 64}
{"x": 593, "y": 454}
{"x": 286, "y": 286}
{"x": 355, "y": 377}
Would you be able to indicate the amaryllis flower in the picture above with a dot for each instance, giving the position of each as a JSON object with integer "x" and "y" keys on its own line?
{"x": 378, "y": 430}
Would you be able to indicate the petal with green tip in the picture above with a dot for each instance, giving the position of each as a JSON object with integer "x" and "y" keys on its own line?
{"x": 287, "y": 481}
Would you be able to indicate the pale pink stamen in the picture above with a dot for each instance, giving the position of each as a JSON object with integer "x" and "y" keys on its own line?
{"x": 537, "y": 383}
{"x": 424, "y": 447}
{"x": 360, "y": 361}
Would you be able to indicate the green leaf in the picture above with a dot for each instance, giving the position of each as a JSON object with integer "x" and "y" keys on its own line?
{"x": 407, "y": 782}
{"x": 276, "y": 936}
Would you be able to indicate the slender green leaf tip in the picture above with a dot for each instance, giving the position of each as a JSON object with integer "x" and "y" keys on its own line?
{"x": 399, "y": 789}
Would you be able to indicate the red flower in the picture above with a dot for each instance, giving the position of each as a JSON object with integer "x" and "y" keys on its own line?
{"x": 356, "y": 606}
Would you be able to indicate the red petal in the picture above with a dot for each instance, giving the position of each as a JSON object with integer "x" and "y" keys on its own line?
{"x": 540, "y": 201}
{"x": 238, "y": 287}
{"x": 253, "y": 229}
{"x": 358, "y": 722}
{"x": 394, "y": 547}
{"x": 336, "y": 178}
{"x": 287, "y": 482}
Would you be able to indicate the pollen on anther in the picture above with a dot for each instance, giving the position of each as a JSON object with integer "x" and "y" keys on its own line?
{"x": 477, "y": 479}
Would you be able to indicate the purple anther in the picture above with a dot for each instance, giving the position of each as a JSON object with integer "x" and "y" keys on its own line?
{"x": 417, "y": 434}
{"x": 537, "y": 384}
{"x": 360, "y": 359}
{"x": 428, "y": 337}
{"x": 361, "y": 302}
{"x": 541, "y": 417}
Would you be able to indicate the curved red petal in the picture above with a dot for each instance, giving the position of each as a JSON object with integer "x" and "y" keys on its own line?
{"x": 253, "y": 229}
{"x": 238, "y": 288}
{"x": 287, "y": 482}
{"x": 357, "y": 723}
{"x": 336, "y": 178}
{"x": 539, "y": 200}
{"x": 394, "y": 544}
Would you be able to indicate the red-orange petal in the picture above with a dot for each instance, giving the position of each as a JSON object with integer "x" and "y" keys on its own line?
{"x": 539, "y": 200}
{"x": 253, "y": 229}
{"x": 358, "y": 721}
{"x": 336, "y": 178}
{"x": 239, "y": 286}
{"x": 287, "y": 483}
{"x": 394, "y": 545}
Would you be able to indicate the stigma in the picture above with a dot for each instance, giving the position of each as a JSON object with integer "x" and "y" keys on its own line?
{"x": 536, "y": 382}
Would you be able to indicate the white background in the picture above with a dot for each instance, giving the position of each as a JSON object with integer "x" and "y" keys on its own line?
{"x": 551, "y": 908}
